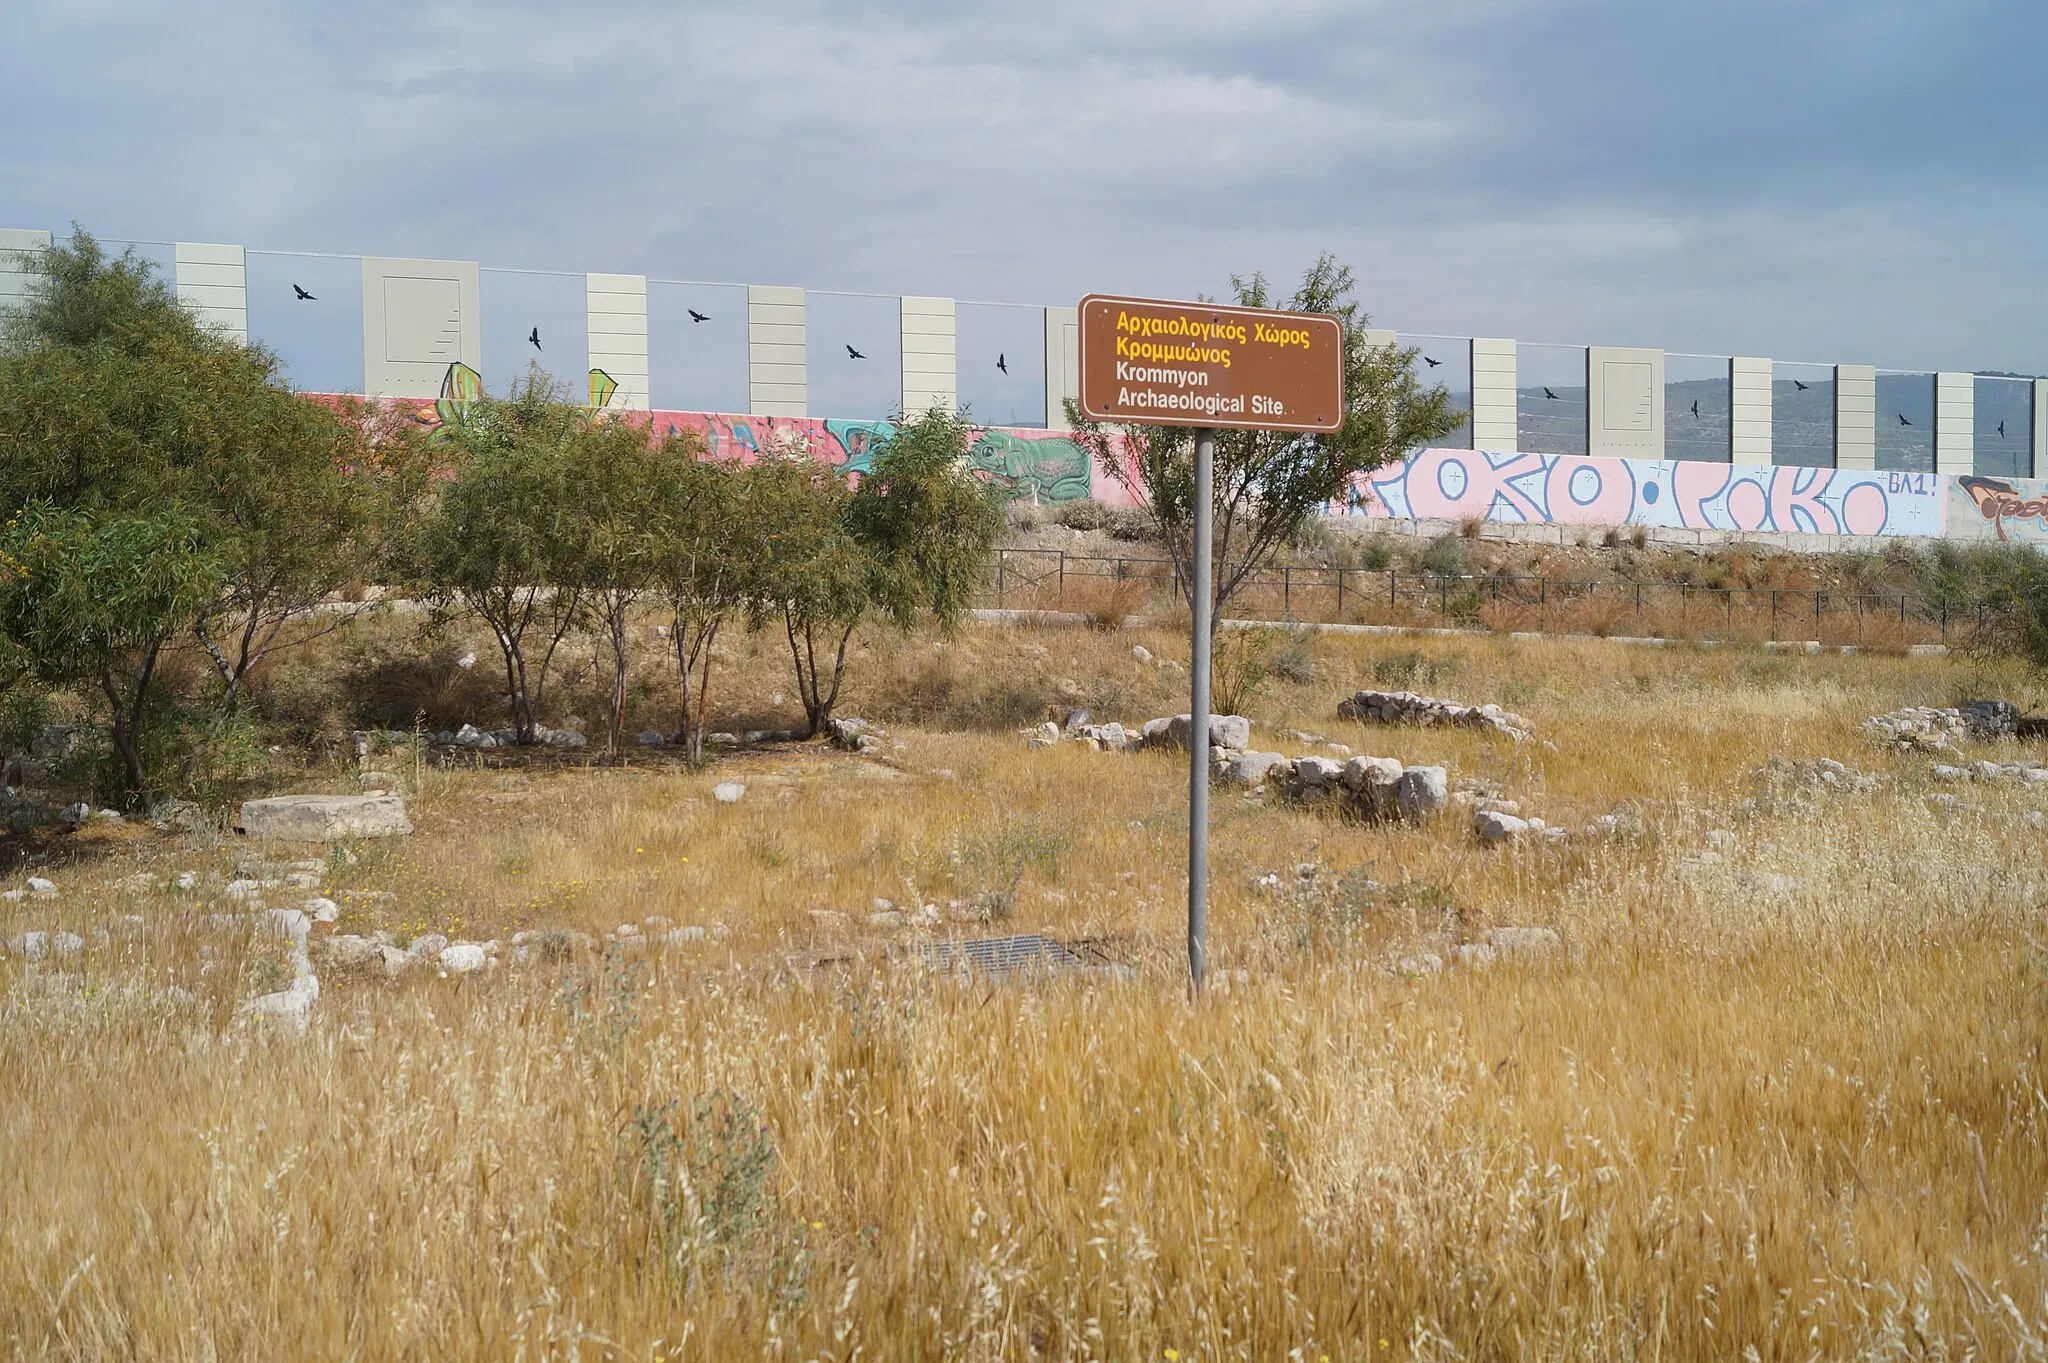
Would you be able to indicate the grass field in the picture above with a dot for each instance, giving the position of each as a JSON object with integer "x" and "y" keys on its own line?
{"x": 1780, "y": 1096}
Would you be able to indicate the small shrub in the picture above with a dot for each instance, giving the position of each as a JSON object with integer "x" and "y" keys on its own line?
{"x": 1131, "y": 524}
{"x": 1296, "y": 663}
{"x": 1377, "y": 555}
{"x": 1241, "y": 665}
{"x": 1025, "y": 515}
{"x": 1409, "y": 667}
{"x": 1083, "y": 514}
{"x": 1444, "y": 556}
{"x": 1472, "y": 526}
{"x": 994, "y": 865}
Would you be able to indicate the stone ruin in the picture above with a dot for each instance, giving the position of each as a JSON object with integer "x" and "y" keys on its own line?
{"x": 1407, "y": 707}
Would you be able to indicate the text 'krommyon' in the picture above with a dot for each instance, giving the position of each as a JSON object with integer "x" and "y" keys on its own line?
{"x": 1178, "y": 378}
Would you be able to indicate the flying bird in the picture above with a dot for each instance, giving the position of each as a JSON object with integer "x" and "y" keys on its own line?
{"x": 853, "y": 354}
{"x": 1902, "y": 420}
{"x": 1552, "y": 396}
{"x": 1431, "y": 363}
{"x": 1800, "y": 386}
{"x": 534, "y": 337}
{"x": 1002, "y": 363}
{"x": 1695, "y": 409}
{"x": 304, "y": 297}
{"x": 696, "y": 316}
{"x": 2001, "y": 430}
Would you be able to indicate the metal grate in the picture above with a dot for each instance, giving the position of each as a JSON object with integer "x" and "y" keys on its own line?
{"x": 1000, "y": 956}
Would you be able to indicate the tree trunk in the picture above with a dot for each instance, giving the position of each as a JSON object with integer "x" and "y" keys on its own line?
{"x": 128, "y": 714}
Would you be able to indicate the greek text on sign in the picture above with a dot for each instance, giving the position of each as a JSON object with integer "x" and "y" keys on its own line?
{"x": 1149, "y": 362}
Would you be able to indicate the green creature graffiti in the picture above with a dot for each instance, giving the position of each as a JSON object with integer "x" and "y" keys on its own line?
{"x": 1050, "y": 470}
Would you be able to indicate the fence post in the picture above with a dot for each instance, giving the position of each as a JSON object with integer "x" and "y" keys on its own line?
{"x": 1287, "y": 595}
{"x": 1340, "y": 596}
{"x": 1816, "y": 615}
{"x": 1002, "y": 562}
{"x": 1774, "y": 615}
{"x": 1063, "y": 579}
{"x": 1392, "y": 574}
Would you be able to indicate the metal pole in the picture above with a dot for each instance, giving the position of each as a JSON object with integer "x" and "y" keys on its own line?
{"x": 1198, "y": 714}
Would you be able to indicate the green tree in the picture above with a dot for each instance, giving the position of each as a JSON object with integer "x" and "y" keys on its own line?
{"x": 1268, "y": 483}
{"x": 708, "y": 564}
{"x": 94, "y": 599}
{"x": 914, "y": 539}
{"x": 628, "y": 505}
{"x": 504, "y": 534}
{"x": 929, "y": 525}
{"x": 115, "y": 402}
{"x": 809, "y": 571}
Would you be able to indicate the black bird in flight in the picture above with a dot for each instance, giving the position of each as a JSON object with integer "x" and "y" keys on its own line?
{"x": 1695, "y": 409}
{"x": 2001, "y": 430}
{"x": 1552, "y": 396}
{"x": 1431, "y": 363}
{"x": 1002, "y": 363}
{"x": 304, "y": 297}
{"x": 1800, "y": 386}
{"x": 696, "y": 316}
{"x": 1902, "y": 420}
{"x": 853, "y": 354}
{"x": 534, "y": 337}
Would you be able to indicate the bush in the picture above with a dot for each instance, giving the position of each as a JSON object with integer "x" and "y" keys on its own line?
{"x": 1444, "y": 556}
{"x": 1083, "y": 514}
{"x": 1130, "y": 524}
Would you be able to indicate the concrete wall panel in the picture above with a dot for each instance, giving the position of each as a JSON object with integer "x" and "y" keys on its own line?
{"x": 1749, "y": 391}
{"x": 419, "y": 317}
{"x": 1955, "y": 406}
{"x": 777, "y": 377}
{"x": 2038, "y": 462}
{"x": 1062, "y": 364}
{"x": 14, "y": 241}
{"x": 930, "y": 354}
{"x": 1624, "y": 403}
{"x": 1855, "y": 416}
{"x": 213, "y": 281}
{"x": 1493, "y": 394}
{"x": 617, "y": 310}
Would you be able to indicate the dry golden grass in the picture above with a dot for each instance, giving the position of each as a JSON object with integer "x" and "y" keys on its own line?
{"x": 1784, "y": 1105}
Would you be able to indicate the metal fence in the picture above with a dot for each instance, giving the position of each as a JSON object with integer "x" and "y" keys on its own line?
{"x": 1113, "y": 589}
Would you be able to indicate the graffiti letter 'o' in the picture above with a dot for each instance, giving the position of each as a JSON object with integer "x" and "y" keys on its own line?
{"x": 1748, "y": 506}
{"x": 1865, "y": 509}
{"x": 1583, "y": 491}
{"x": 1430, "y": 480}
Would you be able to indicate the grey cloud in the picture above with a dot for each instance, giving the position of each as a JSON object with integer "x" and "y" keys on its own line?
{"x": 1854, "y": 179}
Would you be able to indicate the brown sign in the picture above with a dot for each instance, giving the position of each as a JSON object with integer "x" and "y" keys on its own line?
{"x": 1154, "y": 363}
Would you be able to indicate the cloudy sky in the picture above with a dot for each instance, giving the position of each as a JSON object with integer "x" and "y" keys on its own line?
{"x": 1856, "y": 180}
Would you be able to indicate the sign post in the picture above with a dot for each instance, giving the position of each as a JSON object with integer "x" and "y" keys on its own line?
{"x": 1156, "y": 363}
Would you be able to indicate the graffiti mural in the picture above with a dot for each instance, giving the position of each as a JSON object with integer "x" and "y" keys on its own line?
{"x": 1559, "y": 489}
{"x": 1028, "y": 465}
{"x": 1999, "y": 508}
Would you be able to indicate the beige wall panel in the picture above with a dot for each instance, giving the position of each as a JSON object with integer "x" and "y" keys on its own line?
{"x": 1749, "y": 391}
{"x": 419, "y": 317}
{"x": 1062, "y": 363}
{"x": 615, "y": 308}
{"x": 1855, "y": 416}
{"x": 777, "y": 373}
{"x": 1493, "y": 394}
{"x": 2038, "y": 468}
{"x": 1624, "y": 402}
{"x": 213, "y": 281}
{"x": 1955, "y": 407}
{"x": 14, "y": 241}
{"x": 930, "y": 373}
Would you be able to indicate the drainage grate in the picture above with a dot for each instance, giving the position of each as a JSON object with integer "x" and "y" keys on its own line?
{"x": 1001, "y": 956}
